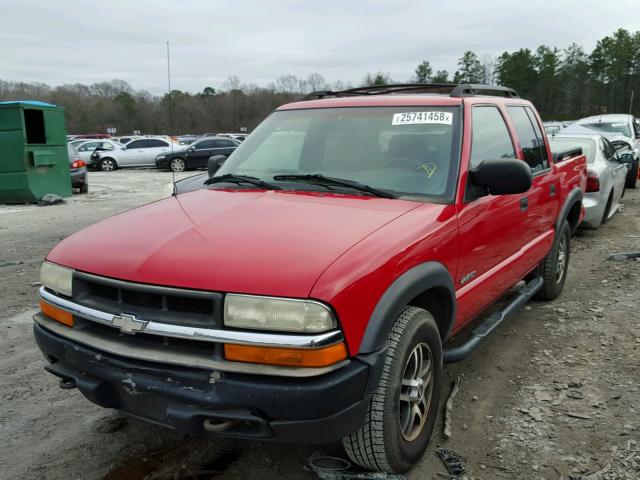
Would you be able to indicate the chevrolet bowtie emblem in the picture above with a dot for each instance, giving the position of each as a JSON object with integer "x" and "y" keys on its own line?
{"x": 128, "y": 323}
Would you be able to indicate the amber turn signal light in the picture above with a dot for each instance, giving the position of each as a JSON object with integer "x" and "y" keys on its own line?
{"x": 289, "y": 357}
{"x": 56, "y": 313}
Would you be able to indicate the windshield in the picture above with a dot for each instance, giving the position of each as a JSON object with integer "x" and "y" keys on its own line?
{"x": 403, "y": 150}
{"x": 562, "y": 144}
{"x": 611, "y": 127}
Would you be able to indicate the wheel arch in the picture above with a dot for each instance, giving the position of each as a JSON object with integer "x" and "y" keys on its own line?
{"x": 427, "y": 285}
{"x": 571, "y": 210}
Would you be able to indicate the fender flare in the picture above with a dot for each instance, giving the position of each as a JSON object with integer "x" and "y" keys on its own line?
{"x": 405, "y": 288}
{"x": 576, "y": 195}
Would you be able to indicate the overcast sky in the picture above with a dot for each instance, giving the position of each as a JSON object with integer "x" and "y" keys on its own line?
{"x": 71, "y": 41}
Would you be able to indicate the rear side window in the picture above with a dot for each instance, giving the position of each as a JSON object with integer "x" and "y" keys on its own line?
{"x": 531, "y": 143}
{"x": 491, "y": 138}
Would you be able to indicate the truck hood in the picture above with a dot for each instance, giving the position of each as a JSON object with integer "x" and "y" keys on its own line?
{"x": 256, "y": 242}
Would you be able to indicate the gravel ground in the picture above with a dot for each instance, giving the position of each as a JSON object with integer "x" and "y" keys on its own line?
{"x": 554, "y": 394}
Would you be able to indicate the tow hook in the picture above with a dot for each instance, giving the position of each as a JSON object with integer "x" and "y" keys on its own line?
{"x": 216, "y": 424}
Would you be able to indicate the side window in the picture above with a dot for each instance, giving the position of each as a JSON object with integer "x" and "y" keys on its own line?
{"x": 529, "y": 141}
{"x": 155, "y": 143}
{"x": 137, "y": 144}
{"x": 543, "y": 145}
{"x": 88, "y": 147}
{"x": 107, "y": 146}
{"x": 491, "y": 138}
{"x": 225, "y": 144}
{"x": 205, "y": 144}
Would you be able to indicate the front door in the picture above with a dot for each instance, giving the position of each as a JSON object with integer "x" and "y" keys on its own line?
{"x": 491, "y": 227}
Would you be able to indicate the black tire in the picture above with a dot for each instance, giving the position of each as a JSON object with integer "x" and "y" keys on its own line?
{"x": 84, "y": 188}
{"x": 632, "y": 179}
{"x": 382, "y": 443}
{"x": 108, "y": 164}
{"x": 553, "y": 274}
{"x": 178, "y": 164}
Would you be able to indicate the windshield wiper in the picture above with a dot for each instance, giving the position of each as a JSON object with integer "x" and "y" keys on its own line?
{"x": 231, "y": 178}
{"x": 328, "y": 181}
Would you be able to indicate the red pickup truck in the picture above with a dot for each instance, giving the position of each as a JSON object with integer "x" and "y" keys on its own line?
{"x": 310, "y": 293}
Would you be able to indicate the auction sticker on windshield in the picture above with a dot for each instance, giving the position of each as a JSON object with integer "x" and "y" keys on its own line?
{"x": 413, "y": 118}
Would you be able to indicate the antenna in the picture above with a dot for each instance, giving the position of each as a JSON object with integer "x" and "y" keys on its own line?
{"x": 173, "y": 174}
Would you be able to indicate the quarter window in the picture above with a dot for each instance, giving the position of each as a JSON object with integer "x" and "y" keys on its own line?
{"x": 529, "y": 140}
{"x": 491, "y": 137}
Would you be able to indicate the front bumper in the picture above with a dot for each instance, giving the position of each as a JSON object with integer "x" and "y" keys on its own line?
{"x": 308, "y": 410}
{"x": 162, "y": 162}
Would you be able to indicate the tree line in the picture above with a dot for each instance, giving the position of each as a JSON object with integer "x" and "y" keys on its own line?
{"x": 562, "y": 83}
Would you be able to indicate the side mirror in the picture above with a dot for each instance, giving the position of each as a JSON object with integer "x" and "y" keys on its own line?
{"x": 214, "y": 163}
{"x": 503, "y": 176}
{"x": 626, "y": 157}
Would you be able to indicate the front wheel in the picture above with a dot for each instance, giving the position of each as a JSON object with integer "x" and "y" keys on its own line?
{"x": 177, "y": 165}
{"x": 108, "y": 164}
{"x": 403, "y": 409}
{"x": 555, "y": 265}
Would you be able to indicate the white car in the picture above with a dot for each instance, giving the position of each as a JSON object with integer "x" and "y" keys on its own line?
{"x": 606, "y": 174}
{"x": 87, "y": 147}
{"x": 616, "y": 123}
{"x": 141, "y": 152}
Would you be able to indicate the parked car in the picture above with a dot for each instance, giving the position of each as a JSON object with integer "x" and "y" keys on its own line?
{"x": 196, "y": 155}
{"x": 78, "y": 167}
{"x": 622, "y": 124}
{"x": 141, "y": 152}
{"x": 553, "y": 128}
{"x": 309, "y": 293}
{"x": 88, "y": 147}
{"x": 606, "y": 174}
{"x": 188, "y": 139}
{"x": 620, "y": 142}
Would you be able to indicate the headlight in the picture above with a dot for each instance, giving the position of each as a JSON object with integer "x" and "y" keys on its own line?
{"x": 278, "y": 314}
{"x": 56, "y": 278}
{"x": 161, "y": 157}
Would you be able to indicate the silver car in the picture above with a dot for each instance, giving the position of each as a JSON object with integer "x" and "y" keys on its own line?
{"x": 606, "y": 174}
{"x": 141, "y": 152}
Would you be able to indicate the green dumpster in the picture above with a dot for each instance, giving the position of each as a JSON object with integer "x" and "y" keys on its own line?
{"x": 33, "y": 152}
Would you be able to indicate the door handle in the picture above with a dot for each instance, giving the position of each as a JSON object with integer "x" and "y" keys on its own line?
{"x": 524, "y": 203}
{"x": 552, "y": 189}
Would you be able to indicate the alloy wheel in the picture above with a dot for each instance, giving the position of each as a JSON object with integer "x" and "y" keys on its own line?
{"x": 415, "y": 392}
{"x": 177, "y": 165}
{"x": 562, "y": 259}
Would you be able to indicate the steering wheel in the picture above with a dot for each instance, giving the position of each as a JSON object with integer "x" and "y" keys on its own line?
{"x": 403, "y": 162}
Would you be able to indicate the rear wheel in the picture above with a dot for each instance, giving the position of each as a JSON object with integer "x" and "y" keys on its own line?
{"x": 177, "y": 165}
{"x": 108, "y": 164}
{"x": 403, "y": 409}
{"x": 84, "y": 188}
{"x": 555, "y": 265}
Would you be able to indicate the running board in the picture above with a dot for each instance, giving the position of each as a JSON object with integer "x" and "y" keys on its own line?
{"x": 461, "y": 352}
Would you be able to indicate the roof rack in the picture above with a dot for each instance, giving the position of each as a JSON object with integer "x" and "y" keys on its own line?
{"x": 451, "y": 89}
